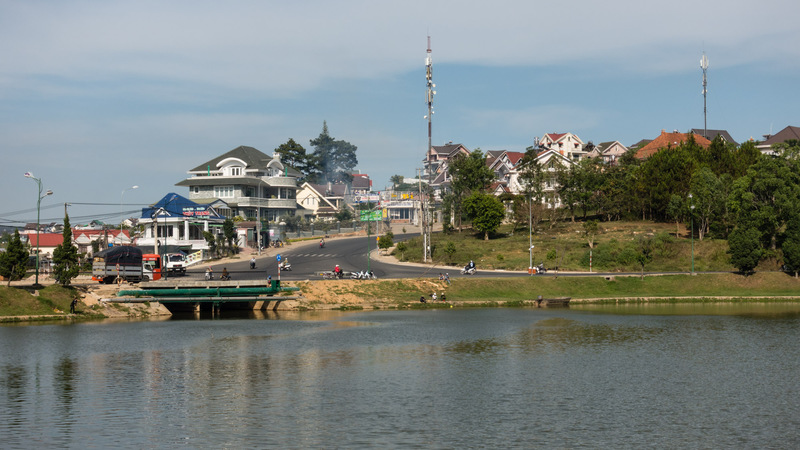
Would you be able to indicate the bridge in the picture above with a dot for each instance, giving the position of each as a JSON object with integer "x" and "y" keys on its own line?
{"x": 194, "y": 295}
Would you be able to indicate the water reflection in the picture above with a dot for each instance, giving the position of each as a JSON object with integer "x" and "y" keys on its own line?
{"x": 767, "y": 309}
{"x": 525, "y": 377}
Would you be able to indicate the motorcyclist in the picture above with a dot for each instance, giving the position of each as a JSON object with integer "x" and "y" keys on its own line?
{"x": 469, "y": 266}
{"x": 321, "y": 243}
{"x": 253, "y": 262}
{"x": 225, "y": 275}
{"x": 337, "y": 272}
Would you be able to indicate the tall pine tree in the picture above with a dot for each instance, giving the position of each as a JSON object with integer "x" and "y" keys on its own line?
{"x": 65, "y": 257}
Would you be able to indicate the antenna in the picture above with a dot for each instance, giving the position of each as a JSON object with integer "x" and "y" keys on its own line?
{"x": 427, "y": 223}
{"x": 704, "y": 66}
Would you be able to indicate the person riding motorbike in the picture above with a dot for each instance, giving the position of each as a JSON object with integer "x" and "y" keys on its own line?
{"x": 253, "y": 262}
{"x": 322, "y": 243}
{"x": 225, "y": 276}
{"x": 337, "y": 272}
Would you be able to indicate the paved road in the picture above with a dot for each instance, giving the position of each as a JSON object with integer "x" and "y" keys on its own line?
{"x": 308, "y": 261}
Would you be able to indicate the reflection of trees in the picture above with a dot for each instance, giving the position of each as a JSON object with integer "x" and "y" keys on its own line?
{"x": 65, "y": 375}
{"x": 560, "y": 334}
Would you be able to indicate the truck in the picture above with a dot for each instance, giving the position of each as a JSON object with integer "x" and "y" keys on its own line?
{"x": 125, "y": 263}
{"x": 175, "y": 263}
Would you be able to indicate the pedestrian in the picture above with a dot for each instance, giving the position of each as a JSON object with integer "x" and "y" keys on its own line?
{"x": 422, "y": 299}
{"x": 444, "y": 299}
{"x": 269, "y": 279}
{"x": 447, "y": 278}
{"x": 252, "y": 263}
{"x": 433, "y": 297}
{"x": 441, "y": 277}
{"x": 72, "y": 305}
{"x": 209, "y": 273}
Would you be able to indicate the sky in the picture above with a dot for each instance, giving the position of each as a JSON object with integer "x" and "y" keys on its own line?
{"x": 100, "y": 96}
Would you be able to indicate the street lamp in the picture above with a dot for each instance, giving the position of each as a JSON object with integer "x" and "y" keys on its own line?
{"x": 530, "y": 236}
{"x": 38, "y": 210}
{"x": 691, "y": 215}
{"x": 258, "y": 214}
{"x": 122, "y": 213}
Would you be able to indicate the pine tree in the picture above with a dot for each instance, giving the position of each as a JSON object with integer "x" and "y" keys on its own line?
{"x": 65, "y": 257}
{"x": 14, "y": 259}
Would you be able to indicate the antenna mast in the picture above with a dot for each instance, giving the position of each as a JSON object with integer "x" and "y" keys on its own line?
{"x": 704, "y": 66}
{"x": 427, "y": 216}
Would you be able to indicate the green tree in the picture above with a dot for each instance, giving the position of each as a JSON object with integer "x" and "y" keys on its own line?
{"x": 396, "y": 180}
{"x": 385, "y": 241}
{"x": 468, "y": 174}
{"x": 14, "y": 260}
{"x": 791, "y": 246}
{"x": 343, "y": 214}
{"x": 211, "y": 241}
{"x": 706, "y": 189}
{"x": 294, "y": 155}
{"x": 676, "y": 210}
{"x": 450, "y": 250}
{"x": 745, "y": 248}
{"x": 334, "y": 159}
{"x": 65, "y": 257}
{"x": 644, "y": 253}
{"x": 485, "y": 211}
{"x": 765, "y": 199}
{"x": 229, "y": 231}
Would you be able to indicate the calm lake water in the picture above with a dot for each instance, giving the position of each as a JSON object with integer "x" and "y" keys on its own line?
{"x": 652, "y": 376}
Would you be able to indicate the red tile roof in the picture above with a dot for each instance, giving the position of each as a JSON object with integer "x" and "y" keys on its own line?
{"x": 669, "y": 140}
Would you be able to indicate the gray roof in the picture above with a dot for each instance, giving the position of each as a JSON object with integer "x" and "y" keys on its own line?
{"x": 711, "y": 134}
{"x": 252, "y": 157}
{"x": 784, "y": 135}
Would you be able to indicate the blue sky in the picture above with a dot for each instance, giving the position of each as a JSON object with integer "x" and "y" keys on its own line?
{"x": 98, "y": 96}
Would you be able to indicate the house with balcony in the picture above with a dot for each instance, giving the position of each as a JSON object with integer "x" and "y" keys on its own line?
{"x": 252, "y": 184}
{"x": 567, "y": 144}
{"x": 609, "y": 152}
{"x": 436, "y": 165}
{"x": 179, "y": 224}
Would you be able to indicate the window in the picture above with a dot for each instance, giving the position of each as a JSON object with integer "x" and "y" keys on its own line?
{"x": 223, "y": 191}
{"x": 235, "y": 171}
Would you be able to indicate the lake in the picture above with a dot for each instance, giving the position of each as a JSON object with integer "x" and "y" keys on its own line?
{"x": 629, "y": 376}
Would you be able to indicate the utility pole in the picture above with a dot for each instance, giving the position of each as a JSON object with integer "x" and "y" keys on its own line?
{"x": 427, "y": 222}
{"x": 704, "y": 66}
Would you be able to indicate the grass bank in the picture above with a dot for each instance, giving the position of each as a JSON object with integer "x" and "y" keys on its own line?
{"x": 26, "y": 301}
{"x": 511, "y": 291}
{"x": 565, "y": 246}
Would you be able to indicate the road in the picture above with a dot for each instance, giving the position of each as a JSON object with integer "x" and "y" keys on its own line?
{"x": 308, "y": 261}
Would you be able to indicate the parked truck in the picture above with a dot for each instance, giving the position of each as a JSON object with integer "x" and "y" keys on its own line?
{"x": 175, "y": 263}
{"x": 125, "y": 263}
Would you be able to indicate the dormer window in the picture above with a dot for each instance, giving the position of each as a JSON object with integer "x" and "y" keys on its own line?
{"x": 235, "y": 171}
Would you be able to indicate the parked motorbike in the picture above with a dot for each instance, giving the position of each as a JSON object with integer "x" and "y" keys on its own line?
{"x": 363, "y": 275}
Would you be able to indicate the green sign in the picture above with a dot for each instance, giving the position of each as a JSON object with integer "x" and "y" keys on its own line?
{"x": 370, "y": 215}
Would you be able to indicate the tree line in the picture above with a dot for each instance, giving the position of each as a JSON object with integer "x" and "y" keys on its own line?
{"x": 729, "y": 192}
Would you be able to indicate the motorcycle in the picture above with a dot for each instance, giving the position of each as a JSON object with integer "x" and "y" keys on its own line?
{"x": 322, "y": 245}
{"x": 468, "y": 271}
{"x": 540, "y": 268}
{"x": 285, "y": 266}
{"x": 363, "y": 275}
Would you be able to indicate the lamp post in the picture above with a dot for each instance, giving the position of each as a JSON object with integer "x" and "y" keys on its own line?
{"x": 39, "y": 198}
{"x": 122, "y": 213}
{"x": 530, "y": 236}
{"x": 164, "y": 272}
{"x": 691, "y": 215}
{"x": 258, "y": 214}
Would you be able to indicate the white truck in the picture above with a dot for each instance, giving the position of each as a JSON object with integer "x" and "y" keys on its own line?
{"x": 175, "y": 263}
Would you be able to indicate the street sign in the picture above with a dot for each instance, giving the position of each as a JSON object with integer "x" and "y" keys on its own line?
{"x": 278, "y": 257}
{"x": 370, "y": 215}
